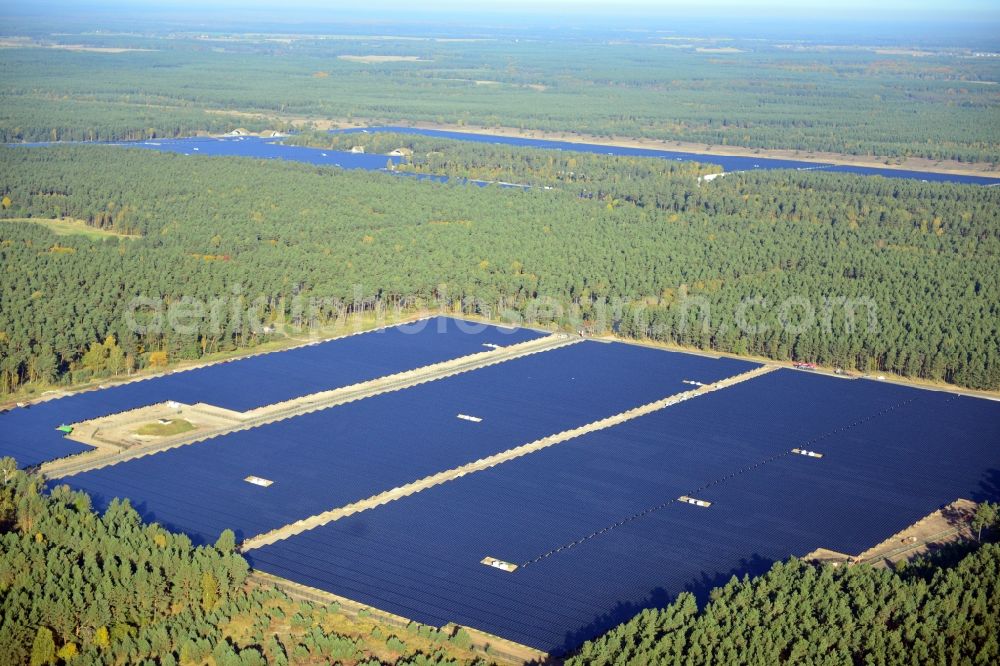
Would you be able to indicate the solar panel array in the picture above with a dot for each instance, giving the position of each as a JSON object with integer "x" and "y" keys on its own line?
{"x": 330, "y": 458}
{"x": 30, "y": 436}
{"x": 596, "y": 529}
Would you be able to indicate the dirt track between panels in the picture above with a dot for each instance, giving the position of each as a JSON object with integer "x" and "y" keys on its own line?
{"x": 419, "y": 485}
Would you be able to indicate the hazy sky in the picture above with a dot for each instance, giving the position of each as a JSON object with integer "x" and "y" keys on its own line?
{"x": 839, "y": 8}
{"x": 970, "y": 23}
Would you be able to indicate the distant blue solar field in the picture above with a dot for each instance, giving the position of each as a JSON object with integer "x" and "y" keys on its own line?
{"x": 29, "y": 435}
{"x": 333, "y": 457}
{"x": 593, "y": 523}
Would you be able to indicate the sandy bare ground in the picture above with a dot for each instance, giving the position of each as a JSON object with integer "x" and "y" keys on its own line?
{"x": 946, "y": 525}
{"x": 371, "y": 59}
{"x": 939, "y": 528}
{"x": 117, "y": 433}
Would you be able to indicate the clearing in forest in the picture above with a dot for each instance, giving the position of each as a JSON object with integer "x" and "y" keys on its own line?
{"x": 68, "y": 226}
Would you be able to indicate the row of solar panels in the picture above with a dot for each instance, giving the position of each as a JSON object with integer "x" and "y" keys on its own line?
{"x": 592, "y": 524}
{"x": 596, "y": 529}
{"x": 333, "y": 457}
{"x": 30, "y": 435}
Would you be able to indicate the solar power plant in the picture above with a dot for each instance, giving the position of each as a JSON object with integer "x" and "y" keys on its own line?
{"x": 330, "y": 458}
{"x": 596, "y": 529}
{"x": 30, "y": 436}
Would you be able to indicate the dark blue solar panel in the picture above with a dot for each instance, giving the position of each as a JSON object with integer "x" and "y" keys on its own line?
{"x": 29, "y": 435}
{"x": 881, "y": 476}
{"x": 891, "y": 455}
{"x": 330, "y": 458}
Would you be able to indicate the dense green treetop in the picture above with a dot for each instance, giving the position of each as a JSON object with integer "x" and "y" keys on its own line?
{"x": 802, "y": 614}
{"x": 920, "y": 254}
{"x": 760, "y": 95}
{"x": 86, "y": 589}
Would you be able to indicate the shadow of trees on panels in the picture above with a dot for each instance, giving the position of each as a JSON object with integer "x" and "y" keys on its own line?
{"x": 700, "y": 587}
{"x": 989, "y": 487}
